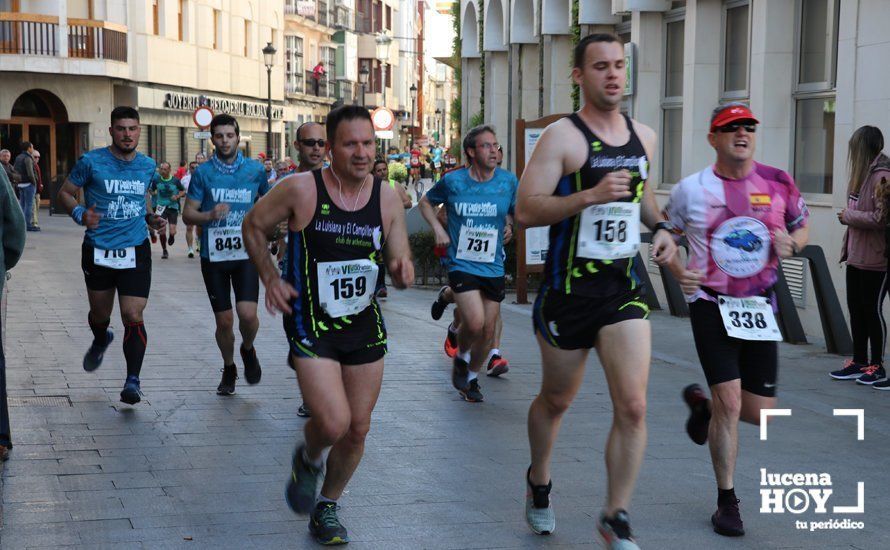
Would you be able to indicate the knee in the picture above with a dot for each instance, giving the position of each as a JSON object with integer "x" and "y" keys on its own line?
{"x": 631, "y": 411}
{"x": 332, "y": 427}
{"x": 726, "y": 405}
{"x": 556, "y": 404}
{"x": 472, "y": 326}
{"x": 357, "y": 433}
{"x": 224, "y": 322}
{"x": 130, "y": 316}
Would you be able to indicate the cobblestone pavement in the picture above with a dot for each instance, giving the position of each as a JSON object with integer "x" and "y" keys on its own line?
{"x": 189, "y": 469}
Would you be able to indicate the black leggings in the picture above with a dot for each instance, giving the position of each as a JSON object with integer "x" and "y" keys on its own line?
{"x": 865, "y": 299}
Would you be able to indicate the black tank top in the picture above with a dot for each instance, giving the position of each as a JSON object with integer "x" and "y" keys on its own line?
{"x": 564, "y": 271}
{"x": 332, "y": 238}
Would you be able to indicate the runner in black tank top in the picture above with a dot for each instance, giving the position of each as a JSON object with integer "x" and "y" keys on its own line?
{"x": 334, "y": 236}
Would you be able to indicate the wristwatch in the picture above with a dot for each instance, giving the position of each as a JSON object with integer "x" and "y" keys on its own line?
{"x": 666, "y": 225}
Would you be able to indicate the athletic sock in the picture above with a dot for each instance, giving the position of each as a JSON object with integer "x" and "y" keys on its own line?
{"x": 100, "y": 330}
{"x": 472, "y": 376}
{"x": 465, "y": 356}
{"x": 135, "y": 340}
{"x": 492, "y": 353}
{"x": 451, "y": 329}
{"x": 725, "y": 496}
{"x": 324, "y": 500}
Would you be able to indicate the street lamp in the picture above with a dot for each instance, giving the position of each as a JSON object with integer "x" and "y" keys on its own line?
{"x": 383, "y": 41}
{"x": 363, "y": 75}
{"x": 413, "y": 90}
{"x": 269, "y": 60}
{"x": 439, "y": 138}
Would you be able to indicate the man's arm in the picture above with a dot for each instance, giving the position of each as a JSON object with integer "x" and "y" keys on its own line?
{"x": 29, "y": 166}
{"x": 403, "y": 195}
{"x": 429, "y": 214}
{"x": 397, "y": 251}
{"x": 663, "y": 246}
{"x": 13, "y": 225}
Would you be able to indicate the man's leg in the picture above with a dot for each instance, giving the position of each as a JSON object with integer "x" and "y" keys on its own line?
{"x": 225, "y": 335}
{"x": 190, "y": 236}
{"x": 322, "y": 386}
{"x": 470, "y": 335}
{"x": 99, "y": 318}
{"x": 36, "y": 205}
{"x": 135, "y": 337}
{"x": 248, "y": 323}
{"x": 562, "y": 372}
{"x": 362, "y": 385}
{"x": 624, "y": 350}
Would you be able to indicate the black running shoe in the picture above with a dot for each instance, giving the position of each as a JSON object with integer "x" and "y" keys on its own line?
{"x": 164, "y": 254}
{"x": 440, "y": 305}
{"x": 227, "y": 384}
{"x": 170, "y": 239}
{"x": 326, "y": 527}
{"x": 727, "y": 520}
{"x": 616, "y": 532}
{"x": 472, "y": 393}
{"x": 252, "y": 370}
{"x": 304, "y": 411}
{"x": 459, "y": 371}
{"x": 132, "y": 393}
{"x": 303, "y": 485}
{"x": 699, "y": 413}
{"x": 93, "y": 358}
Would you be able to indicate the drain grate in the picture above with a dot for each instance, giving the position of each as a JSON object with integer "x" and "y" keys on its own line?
{"x": 40, "y": 401}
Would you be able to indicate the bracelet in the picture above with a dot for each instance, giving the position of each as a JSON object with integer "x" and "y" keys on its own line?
{"x": 77, "y": 214}
{"x": 666, "y": 225}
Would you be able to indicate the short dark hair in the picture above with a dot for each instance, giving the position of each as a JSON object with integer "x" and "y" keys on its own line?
{"x": 192, "y": 163}
{"x": 581, "y": 48}
{"x": 163, "y": 163}
{"x": 379, "y": 161}
{"x": 224, "y": 119}
{"x": 123, "y": 111}
{"x": 26, "y": 145}
{"x": 344, "y": 113}
{"x": 470, "y": 138}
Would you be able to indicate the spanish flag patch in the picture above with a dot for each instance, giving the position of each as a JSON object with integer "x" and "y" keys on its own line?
{"x": 761, "y": 199}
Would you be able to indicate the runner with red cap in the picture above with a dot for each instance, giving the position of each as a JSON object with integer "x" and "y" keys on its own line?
{"x": 740, "y": 217}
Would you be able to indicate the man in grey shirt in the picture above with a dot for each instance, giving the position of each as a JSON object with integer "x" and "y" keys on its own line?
{"x": 24, "y": 165}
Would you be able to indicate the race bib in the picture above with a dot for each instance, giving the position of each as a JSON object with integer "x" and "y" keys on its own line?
{"x": 476, "y": 244}
{"x": 160, "y": 210}
{"x": 749, "y": 318}
{"x": 609, "y": 231}
{"x": 346, "y": 288}
{"x": 225, "y": 244}
{"x": 122, "y": 258}
{"x": 437, "y": 164}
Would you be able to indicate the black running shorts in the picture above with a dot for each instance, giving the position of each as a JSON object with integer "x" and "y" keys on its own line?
{"x": 725, "y": 358}
{"x": 171, "y": 215}
{"x": 357, "y": 345}
{"x": 568, "y": 321}
{"x": 492, "y": 288}
{"x": 135, "y": 281}
{"x": 220, "y": 278}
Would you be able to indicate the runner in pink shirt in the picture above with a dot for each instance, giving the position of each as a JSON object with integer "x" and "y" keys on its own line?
{"x": 739, "y": 217}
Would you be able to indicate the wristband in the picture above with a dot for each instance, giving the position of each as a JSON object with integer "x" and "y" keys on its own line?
{"x": 666, "y": 225}
{"x": 77, "y": 214}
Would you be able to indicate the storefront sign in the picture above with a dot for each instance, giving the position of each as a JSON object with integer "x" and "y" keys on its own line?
{"x": 306, "y": 8}
{"x": 235, "y": 107}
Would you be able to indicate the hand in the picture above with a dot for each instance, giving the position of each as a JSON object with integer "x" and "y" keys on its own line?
{"x": 219, "y": 211}
{"x": 279, "y": 295}
{"x": 663, "y": 247}
{"x": 91, "y": 218}
{"x": 508, "y": 233}
{"x": 783, "y": 243}
{"x": 840, "y": 216}
{"x": 690, "y": 281}
{"x": 157, "y": 222}
{"x": 401, "y": 272}
{"x": 612, "y": 187}
{"x": 442, "y": 238}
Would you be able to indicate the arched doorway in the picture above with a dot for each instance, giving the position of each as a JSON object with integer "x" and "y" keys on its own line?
{"x": 40, "y": 117}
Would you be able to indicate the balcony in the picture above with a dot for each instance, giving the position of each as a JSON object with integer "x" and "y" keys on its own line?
{"x": 317, "y": 88}
{"x": 33, "y": 34}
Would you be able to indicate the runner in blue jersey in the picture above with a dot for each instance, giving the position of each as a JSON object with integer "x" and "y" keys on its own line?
{"x": 115, "y": 255}
{"x": 166, "y": 190}
{"x": 479, "y": 201}
{"x": 220, "y": 193}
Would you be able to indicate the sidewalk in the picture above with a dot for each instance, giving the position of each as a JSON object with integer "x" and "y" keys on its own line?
{"x": 188, "y": 469}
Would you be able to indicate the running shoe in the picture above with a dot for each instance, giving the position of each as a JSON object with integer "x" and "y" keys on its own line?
{"x": 273, "y": 250}
{"x": 304, "y": 411}
{"x": 440, "y": 305}
{"x": 170, "y": 239}
{"x": 227, "y": 384}
{"x": 885, "y": 385}
{"x": 459, "y": 371}
{"x": 872, "y": 374}
{"x": 497, "y": 365}
{"x": 727, "y": 520}
{"x": 131, "y": 394}
{"x": 191, "y": 253}
{"x": 699, "y": 413}
{"x": 382, "y": 294}
{"x": 538, "y": 511}
{"x": 616, "y": 532}
{"x": 472, "y": 393}
{"x": 851, "y": 371}
{"x": 451, "y": 344}
{"x": 252, "y": 370}
{"x": 93, "y": 358}
{"x": 304, "y": 483}
{"x": 325, "y": 526}
{"x": 164, "y": 254}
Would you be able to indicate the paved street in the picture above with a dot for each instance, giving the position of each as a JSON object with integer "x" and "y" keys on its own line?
{"x": 188, "y": 469}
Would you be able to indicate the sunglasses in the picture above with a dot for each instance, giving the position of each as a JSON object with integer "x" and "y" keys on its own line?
{"x": 733, "y": 127}
{"x": 313, "y": 142}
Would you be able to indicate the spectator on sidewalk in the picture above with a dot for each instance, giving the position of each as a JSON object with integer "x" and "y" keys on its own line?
{"x": 24, "y": 165}
{"x": 864, "y": 252}
{"x": 12, "y": 235}
{"x": 11, "y": 174}
{"x": 181, "y": 171}
{"x": 39, "y": 190}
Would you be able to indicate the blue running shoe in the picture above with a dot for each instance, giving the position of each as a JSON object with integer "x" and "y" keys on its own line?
{"x": 131, "y": 394}
{"x": 93, "y": 359}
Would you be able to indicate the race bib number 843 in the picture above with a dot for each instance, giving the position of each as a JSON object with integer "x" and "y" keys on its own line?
{"x": 225, "y": 244}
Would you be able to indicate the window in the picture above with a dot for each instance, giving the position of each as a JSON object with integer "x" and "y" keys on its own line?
{"x": 814, "y": 109}
{"x": 293, "y": 64}
{"x": 735, "y": 50}
{"x": 672, "y": 103}
{"x": 388, "y": 18}
{"x": 378, "y": 17}
{"x": 247, "y": 38}
{"x": 329, "y": 56}
{"x": 217, "y": 29}
{"x": 155, "y": 18}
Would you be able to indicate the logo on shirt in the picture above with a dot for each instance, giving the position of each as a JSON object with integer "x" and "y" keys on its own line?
{"x": 741, "y": 246}
{"x": 232, "y": 195}
{"x": 474, "y": 209}
{"x": 125, "y": 187}
{"x": 325, "y": 209}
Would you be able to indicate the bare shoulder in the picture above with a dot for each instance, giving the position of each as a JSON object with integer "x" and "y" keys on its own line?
{"x": 647, "y": 135}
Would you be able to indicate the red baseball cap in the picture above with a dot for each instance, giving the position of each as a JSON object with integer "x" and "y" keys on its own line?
{"x": 731, "y": 113}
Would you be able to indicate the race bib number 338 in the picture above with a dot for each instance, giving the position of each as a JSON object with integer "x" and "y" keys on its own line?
{"x": 609, "y": 231}
{"x": 749, "y": 318}
{"x": 346, "y": 288}
{"x": 225, "y": 244}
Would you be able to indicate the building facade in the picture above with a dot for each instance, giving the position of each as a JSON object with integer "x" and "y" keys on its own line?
{"x": 812, "y": 70}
